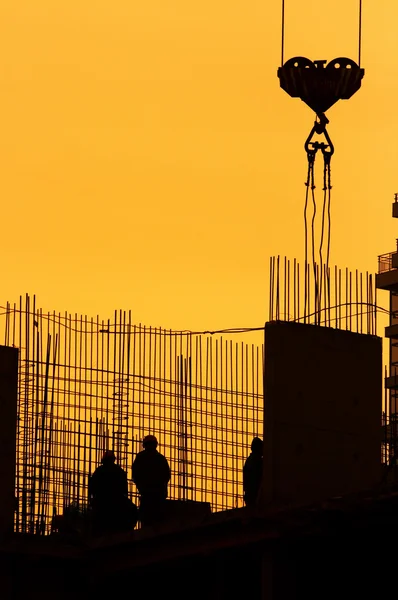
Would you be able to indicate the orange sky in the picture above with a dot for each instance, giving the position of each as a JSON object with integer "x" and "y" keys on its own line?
{"x": 149, "y": 159}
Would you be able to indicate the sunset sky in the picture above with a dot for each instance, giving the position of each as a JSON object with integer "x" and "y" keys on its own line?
{"x": 149, "y": 159}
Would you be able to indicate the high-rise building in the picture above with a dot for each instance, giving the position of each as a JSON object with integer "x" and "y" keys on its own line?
{"x": 387, "y": 279}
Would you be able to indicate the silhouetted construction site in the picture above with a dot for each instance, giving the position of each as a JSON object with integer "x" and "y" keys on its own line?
{"x": 75, "y": 390}
{"x": 311, "y": 388}
{"x": 86, "y": 385}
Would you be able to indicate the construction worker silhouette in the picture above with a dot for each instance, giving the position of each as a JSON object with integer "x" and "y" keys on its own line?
{"x": 252, "y": 472}
{"x": 151, "y": 474}
{"x": 108, "y": 497}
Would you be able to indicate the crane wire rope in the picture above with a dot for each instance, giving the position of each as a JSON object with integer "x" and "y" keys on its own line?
{"x": 359, "y": 32}
{"x": 329, "y": 184}
{"x": 322, "y": 277}
{"x": 321, "y": 270}
{"x": 325, "y": 202}
{"x": 324, "y": 265}
{"x": 314, "y": 265}
{"x": 283, "y": 32}
{"x": 307, "y": 184}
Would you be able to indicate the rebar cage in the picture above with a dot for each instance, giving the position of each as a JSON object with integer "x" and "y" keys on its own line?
{"x": 86, "y": 385}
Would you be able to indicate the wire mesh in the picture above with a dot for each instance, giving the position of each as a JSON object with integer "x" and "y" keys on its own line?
{"x": 86, "y": 385}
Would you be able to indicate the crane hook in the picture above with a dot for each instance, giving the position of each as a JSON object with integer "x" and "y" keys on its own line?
{"x": 311, "y": 147}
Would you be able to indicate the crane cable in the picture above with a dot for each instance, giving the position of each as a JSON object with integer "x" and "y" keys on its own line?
{"x": 359, "y": 33}
{"x": 324, "y": 267}
{"x": 310, "y": 177}
{"x": 327, "y": 154}
{"x": 329, "y": 186}
{"x": 311, "y": 148}
{"x": 314, "y": 265}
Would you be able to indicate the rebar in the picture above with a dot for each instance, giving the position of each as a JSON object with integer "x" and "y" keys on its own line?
{"x": 86, "y": 385}
{"x": 348, "y": 306}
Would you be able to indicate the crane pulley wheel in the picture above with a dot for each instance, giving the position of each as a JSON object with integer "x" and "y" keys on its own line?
{"x": 320, "y": 85}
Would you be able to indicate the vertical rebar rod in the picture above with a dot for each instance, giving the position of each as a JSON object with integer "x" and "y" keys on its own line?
{"x": 288, "y": 290}
{"x": 213, "y": 429}
{"x": 239, "y": 434}
{"x": 375, "y": 317}
{"x": 208, "y": 417}
{"x": 271, "y": 289}
{"x": 361, "y": 300}
{"x": 42, "y": 440}
{"x": 189, "y": 448}
{"x": 371, "y": 307}
{"x": 367, "y": 305}
{"x": 346, "y": 298}
{"x": 350, "y": 300}
{"x": 360, "y": 33}
{"x": 47, "y": 476}
{"x": 23, "y": 399}
{"x": 283, "y": 32}
{"x": 284, "y": 288}
{"x": 294, "y": 291}
{"x": 308, "y": 283}
{"x": 356, "y": 300}
{"x": 128, "y": 381}
{"x": 221, "y": 425}
{"x": 340, "y": 298}
{"x": 114, "y": 383}
{"x": 245, "y": 394}
{"x": 298, "y": 292}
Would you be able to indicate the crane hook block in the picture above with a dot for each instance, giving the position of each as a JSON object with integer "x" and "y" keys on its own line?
{"x": 318, "y": 84}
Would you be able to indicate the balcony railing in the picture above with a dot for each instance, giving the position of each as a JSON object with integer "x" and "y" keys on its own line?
{"x": 385, "y": 262}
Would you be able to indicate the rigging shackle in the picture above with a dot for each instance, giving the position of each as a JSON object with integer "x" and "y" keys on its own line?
{"x": 311, "y": 147}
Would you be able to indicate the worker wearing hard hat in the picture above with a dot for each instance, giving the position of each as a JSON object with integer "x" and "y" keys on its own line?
{"x": 151, "y": 475}
{"x": 252, "y": 472}
{"x": 108, "y": 497}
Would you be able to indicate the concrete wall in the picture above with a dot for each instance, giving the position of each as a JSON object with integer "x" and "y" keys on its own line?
{"x": 323, "y": 391}
{"x": 8, "y": 421}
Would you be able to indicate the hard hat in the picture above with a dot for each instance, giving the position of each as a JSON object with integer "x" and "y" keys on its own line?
{"x": 109, "y": 455}
{"x": 257, "y": 444}
{"x": 149, "y": 439}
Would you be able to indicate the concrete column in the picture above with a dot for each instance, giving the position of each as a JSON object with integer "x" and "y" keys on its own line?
{"x": 322, "y": 413}
{"x": 8, "y": 423}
